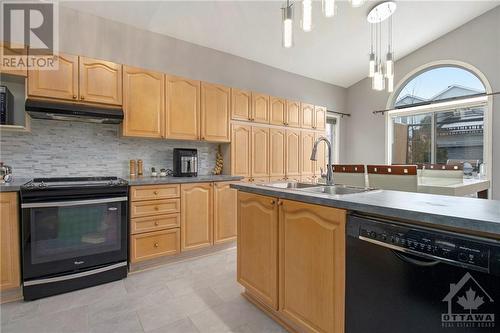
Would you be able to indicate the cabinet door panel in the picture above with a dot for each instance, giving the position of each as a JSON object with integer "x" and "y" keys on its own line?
{"x": 100, "y": 81}
{"x": 196, "y": 216}
{"x": 143, "y": 103}
{"x": 319, "y": 117}
{"x": 312, "y": 266}
{"x": 61, "y": 83}
{"x": 307, "y": 141}
{"x": 277, "y": 153}
{"x": 307, "y": 115}
{"x": 260, "y": 152}
{"x": 182, "y": 109}
{"x": 241, "y": 150}
{"x": 278, "y": 111}
{"x": 225, "y": 205}
{"x": 241, "y": 104}
{"x": 17, "y": 50}
{"x": 293, "y": 144}
{"x": 258, "y": 246}
{"x": 260, "y": 108}
{"x": 215, "y": 109}
{"x": 152, "y": 245}
{"x": 293, "y": 114}
{"x": 10, "y": 271}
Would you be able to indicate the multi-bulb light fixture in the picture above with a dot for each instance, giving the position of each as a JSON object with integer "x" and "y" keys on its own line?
{"x": 306, "y": 22}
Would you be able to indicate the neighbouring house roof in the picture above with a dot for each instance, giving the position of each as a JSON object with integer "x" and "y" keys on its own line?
{"x": 451, "y": 91}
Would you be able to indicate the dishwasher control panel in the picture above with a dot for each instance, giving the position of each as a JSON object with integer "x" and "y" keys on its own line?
{"x": 432, "y": 244}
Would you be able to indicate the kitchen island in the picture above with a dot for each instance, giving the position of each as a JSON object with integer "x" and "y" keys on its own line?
{"x": 292, "y": 244}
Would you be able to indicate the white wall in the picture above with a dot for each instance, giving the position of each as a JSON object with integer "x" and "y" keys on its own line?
{"x": 476, "y": 42}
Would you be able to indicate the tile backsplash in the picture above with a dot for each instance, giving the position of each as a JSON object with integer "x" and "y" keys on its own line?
{"x": 63, "y": 148}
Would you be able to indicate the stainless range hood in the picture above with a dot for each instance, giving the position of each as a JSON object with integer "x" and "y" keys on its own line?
{"x": 42, "y": 109}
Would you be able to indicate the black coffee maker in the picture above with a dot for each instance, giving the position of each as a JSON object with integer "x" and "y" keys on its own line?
{"x": 185, "y": 162}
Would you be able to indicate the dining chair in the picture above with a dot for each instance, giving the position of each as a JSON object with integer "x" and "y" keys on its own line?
{"x": 349, "y": 174}
{"x": 441, "y": 170}
{"x": 393, "y": 177}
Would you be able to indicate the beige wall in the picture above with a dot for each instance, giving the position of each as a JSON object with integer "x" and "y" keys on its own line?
{"x": 476, "y": 43}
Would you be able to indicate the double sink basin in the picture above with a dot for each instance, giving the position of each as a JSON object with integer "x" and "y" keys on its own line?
{"x": 317, "y": 188}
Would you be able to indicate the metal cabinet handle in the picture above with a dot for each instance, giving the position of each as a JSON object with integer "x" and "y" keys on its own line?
{"x": 74, "y": 96}
{"x": 82, "y": 97}
{"x": 273, "y": 202}
{"x": 156, "y": 208}
{"x": 155, "y": 192}
{"x": 156, "y": 245}
{"x": 157, "y": 223}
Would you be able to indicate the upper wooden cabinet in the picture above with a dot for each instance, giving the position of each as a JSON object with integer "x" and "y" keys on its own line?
{"x": 307, "y": 115}
{"x": 292, "y": 160}
{"x": 319, "y": 117}
{"x": 143, "y": 103}
{"x": 17, "y": 51}
{"x": 306, "y": 143}
{"x": 292, "y": 113}
{"x": 311, "y": 266}
{"x": 61, "y": 83}
{"x": 196, "y": 216}
{"x": 241, "y": 147}
{"x": 215, "y": 109}
{"x": 241, "y": 104}
{"x": 278, "y": 111}
{"x": 260, "y": 152}
{"x": 182, "y": 109}
{"x": 100, "y": 81}
{"x": 225, "y": 204}
{"x": 257, "y": 248}
{"x": 260, "y": 108}
{"x": 277, "y": 156}
{"x": 10, "y": 272}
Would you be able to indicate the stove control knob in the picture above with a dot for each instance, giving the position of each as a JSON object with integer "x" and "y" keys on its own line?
{"x": 373, "y": 234}
{"x": 462, "y": 256}
{"x": 42, "y": 185}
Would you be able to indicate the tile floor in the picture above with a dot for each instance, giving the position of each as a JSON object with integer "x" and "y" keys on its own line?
{"x": 195, "y": 296}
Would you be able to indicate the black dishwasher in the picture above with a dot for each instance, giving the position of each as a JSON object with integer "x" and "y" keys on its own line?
{"x": 403, "y": 278}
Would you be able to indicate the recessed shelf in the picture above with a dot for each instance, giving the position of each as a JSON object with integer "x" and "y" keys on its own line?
{"x": 17, "y": 87}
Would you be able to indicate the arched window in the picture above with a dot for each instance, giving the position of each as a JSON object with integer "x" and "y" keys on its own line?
{"x": 439, "y": 117}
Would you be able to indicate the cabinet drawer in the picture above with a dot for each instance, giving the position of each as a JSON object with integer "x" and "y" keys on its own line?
{"x": 154, "y": 207}
{"x": 153, "y": 223}
{"x": 153, "y": 192}
{"x": 154, "y": 244}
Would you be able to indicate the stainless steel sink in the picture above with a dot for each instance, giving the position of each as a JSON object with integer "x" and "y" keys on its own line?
{"x": 337, "y": 189}
{"x": 291, "y": 185}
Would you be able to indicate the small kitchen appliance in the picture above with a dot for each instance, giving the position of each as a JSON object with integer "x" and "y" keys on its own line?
{"x": 185, "y": 162}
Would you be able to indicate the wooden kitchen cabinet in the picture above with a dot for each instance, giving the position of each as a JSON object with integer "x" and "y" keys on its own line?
{"x": 154, "y": 223}
{"x": 257, "y": 249}
{"x": 182, "y": 109}
{"x": 154, "y": 192}
{"x": 292, "y": 156}
{"x": 17, "y": 51}
{"x": 10, "y": 272}
{"x": 59, "y": 84}
{"x": 293, "y": 113}
{"x": 311, "y": 266}
{"x": 307, "y": 115}
{"x": 277, "y": 153}
{"x": 143, "y": 103}
{"x": 215, "y": 110}
{"x": 154, "y": 207}
{"x": 241, "y": 143}
{"x": 196, "y": 216}
{"x": 306, "y": 144}
{"x": 260, "y": 108}
{"x": 151, "y": 245}
{"x": 225, "y": 205}
{"x": 100, "y": 81}
{"x": 241, "y": 104}
{"x": 319, "y": 118}
{"x": 260, "y": 152}
{"x": 278, "y": 111}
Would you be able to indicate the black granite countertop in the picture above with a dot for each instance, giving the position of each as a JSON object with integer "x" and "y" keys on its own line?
{"x": 147, "y": 180}
{"x": 470, "y": 215}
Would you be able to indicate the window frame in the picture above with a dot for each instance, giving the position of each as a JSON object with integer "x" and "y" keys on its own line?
{"x": 442, "y": 106}
{"x": 336, "y": 146}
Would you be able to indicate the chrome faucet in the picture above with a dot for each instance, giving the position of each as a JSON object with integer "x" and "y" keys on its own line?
{"x": 329, "y": 172}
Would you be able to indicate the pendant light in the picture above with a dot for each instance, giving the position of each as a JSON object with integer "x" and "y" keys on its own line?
{"x": 306, "y": 22}
{"x": 328, "y": 7}
{"x": 371, "y": 63}
{"x": 357, "y": 3}
{"x": 287, "y": 17}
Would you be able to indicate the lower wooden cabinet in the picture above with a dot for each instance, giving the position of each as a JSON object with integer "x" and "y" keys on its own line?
{"x": 196, "y": 216}
{"x": 153, "y": 223}
{"x": 10, "y": 272}
{"x": 154, "y": 207}
{"x": 312, "y": 266}
{"x": 257, "y": 247}
{"x": 225, "y": 203}
{"x": 155, "y": 244}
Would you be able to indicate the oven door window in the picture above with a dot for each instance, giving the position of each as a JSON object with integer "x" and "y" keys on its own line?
{"x": 59, "y": 233}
